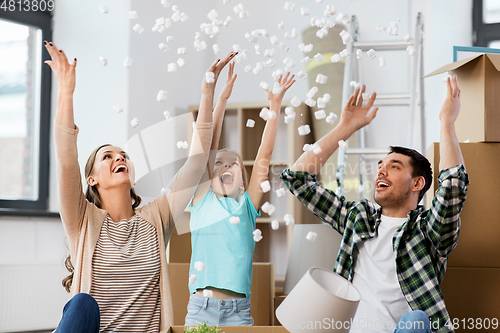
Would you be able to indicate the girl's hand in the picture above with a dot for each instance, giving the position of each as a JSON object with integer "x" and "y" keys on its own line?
{"x": 62, "y": 69}
{"x": 285, "y": 83}
{"x": 228, "y": 88}
{"x": 216, "y": 68}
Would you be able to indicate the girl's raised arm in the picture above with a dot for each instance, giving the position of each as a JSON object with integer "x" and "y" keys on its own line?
{"x": 260, "y": 170}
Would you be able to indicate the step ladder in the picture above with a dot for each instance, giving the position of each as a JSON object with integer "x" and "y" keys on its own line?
{"x": 414, "y": 100}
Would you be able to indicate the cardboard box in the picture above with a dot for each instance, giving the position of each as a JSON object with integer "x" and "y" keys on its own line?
{"x": 261, "y": 299}
{"x": 479, "y": 79}
{"x": 277, "y": 302}
{"x": 478, "y": 244}
{"x": 235, "y": 329}
{"x": 472, "y": 293}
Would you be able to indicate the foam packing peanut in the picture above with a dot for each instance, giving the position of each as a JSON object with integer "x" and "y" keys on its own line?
{"x": 132, "y": 14}
{"x": 182, "y": 145}
{"x": 103, "y": 60}
{"x": 117, "y": 108}
{"x": 212, "y": 15}
{"x": 304, "y": 130}
{"x": 310, "y": 102}
{"x": 304, "y": 11}
{"x": 127, "y": 63}
{"x": 331, "y": 118}
{"x": 165, "y": 191}
{"x": 167, "y": 115}
{"x": 165, "y": 3}
{"x": 268, "y": 208}
{"x": 271, "y": 63}
{"x": 359, "y": 54}
{"x": 290, "y": 6}
{"x": 244, "y": 14}
{"x": 302, "y": 75}
{"x": 306, "y": 61}
{"x": 210, "y": 77}
{"x": 199, "y": 266}
{"x": 289, "y": 219}
{"x": 280, "y": 192}
{"x": 295, "y": 101}
{"x": 264, "y": 114}
{"x": 104, "y": 9}
{"x": 172, "y": 67}
{"x": 250, "y": 123}
{"x": 345, "y": 53}
{"x": 321, "y": 102}
{"x": 257, "y": 238}
{"x": 264, "y": 85}
{"x": 192, "y": 279}
{"x": 342, "y": 144}
{"x": 411, "y": 50}
{"x": 320, "y": 114}
{"x": 306, "y": 147}
{"x": 234, "y": 220}
{"x": 371, "y": 53}
{"x": 321, "y": 78}
{"x": 275, "y": 225}
{"x": 161, "y": 96}
{"x": 281, "y": 25}
{"x": 162, "y": 46}
{"x": 316, "y": 148}
{"x": 257, "y": 232}
{"x": 336, "y": 58}
{"x": 381, "y": 61}
{"x": 184, "y": 17}
{"x": 134, "y": 122}
{"x": 170, "y": 39}
{"x": 321, "y": 33}
{"x": 289, "y": 111}
{"x": 247, "y": 69}
{"x": 311, "y": 236}
{"x": 265, "y": 186}
{"x": 312, "y": 92}
{"x": 308, "y": 48}
{"x": 216, "y": 48}
{"x": 319, "y": 57}
{"x": 208, "y": 293}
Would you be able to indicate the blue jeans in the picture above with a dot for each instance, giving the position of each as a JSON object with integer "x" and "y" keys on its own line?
{"x": 80, "y": 315}
{"x": 221, "y": 312}
{"x": 415, "y": 322}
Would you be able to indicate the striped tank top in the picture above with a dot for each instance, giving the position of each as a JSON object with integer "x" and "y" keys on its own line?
{"x": 126, "y": 276}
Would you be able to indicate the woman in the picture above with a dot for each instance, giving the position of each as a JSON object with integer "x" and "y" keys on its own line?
{"x": 120, "y": 279}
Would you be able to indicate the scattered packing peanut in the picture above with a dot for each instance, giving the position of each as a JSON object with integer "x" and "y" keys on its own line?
{"x": 331, "y": 118}
{"x": 264, "y": 85}
{"x": 342, "y": 144}
{"x": 280, "y": 192}
{"x": 250, "y": 123}
{"x": 182, "y": 145}
{"x": 302, "y": 75}
{"x": 216, "y": 48}
{"x": 393, "y": 30}
{"x": 265, "y": 186}
{"x": 276, "y": 88}
{"x": 161, "y": 96}
{"x": 199, "y": 266}
{"x": 322, "y": 33}
{"x": 210, "y": 77}
{"x": 346, "y": 37}
{"x": 301, "y": 47}
{"x": 408, "y": 39}
{"x": 268, "y": 208}
{"x": 234, "y": 220}
{"x": 192, "y": 279}
{"x": 310, "y": 102}
{"x": 321, "y": 102}
{"x": 127, "y": 63}
{"x": 345, "y": 53}
{"x": 138, "y": 28}
{"x": 208, "y": 293}
{"x": 312, "y": 92}
{"x": 295, "y": 101}
{"x": 103, "y": 60}
{"x": 321, "y": 78}
{"x": 411, "y": 50}
{"x": 271, "y": 63}
{"x": 306, "y": 147}
{"x": 162, "y": 46}
{"x": 290, "y": 6}
{"x": 248, "y": 68}
{"x": 304, "y": 130}
{"x": 304, "y": 11}
{"x": 212, "y": 15}
{"x": 311, "y": 236}
{"x": 273, "y": 40}
{"x": 319, "y": 57}
{"x": 336, "y": 58}
{"x": 172, "y": 67}
{"x": 104, "y": 9}
{"x": 320, "y": 114}
{"x": 167, "y": 116}
{"x": 381, "y": 61}
{"x": 257, "y": 232}
{"x": 275, "y": 224}
{"x": 289, "y": 219}
{"x": 305, "y": 61}
{"x": 371, "y": 53}
{"x": 238, "y": 8}
{"x": 134, "y": 122}
{"x": 380, "y": 27}
{"x": 316, "y": 148}
{"x": 359, "y": 54}
{"x": 257, "y": 238}
{"x": 165, "y": 191}
{"x": 284, "y": 47}
{"x": 117, "y": 108}
{"x": 181, "y": 62}
{"x": 446, "y": 78}
{"x": 170, "y": 39}
{"x": 308, "y": 48}
{"x": 281, "y": 25}
{"x": 354, "y": 84}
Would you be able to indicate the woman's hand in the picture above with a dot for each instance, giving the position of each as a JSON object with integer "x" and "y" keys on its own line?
{"x": 228, "y": 88}
{"x": 216, "y": 68}
{"x": 284, "y": 84}
{"x": 62, "y": 69}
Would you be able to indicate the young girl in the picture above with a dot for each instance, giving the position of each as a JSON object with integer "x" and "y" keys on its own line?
{"x": 120, "y": 278}
{"x": 223, "y": 244}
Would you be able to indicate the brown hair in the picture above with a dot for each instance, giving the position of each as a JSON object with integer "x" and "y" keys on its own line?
{"x": 92, "y": 195}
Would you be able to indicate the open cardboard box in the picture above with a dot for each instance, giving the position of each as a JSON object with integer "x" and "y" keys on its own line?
{"x": 235, "y": 329}
{"x": 478, "y": 79}
{"x": 261, "y": 299}
{"x": 478, "y": 244}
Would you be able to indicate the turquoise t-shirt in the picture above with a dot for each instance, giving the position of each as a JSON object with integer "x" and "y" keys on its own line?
{"x": 226, "y": 249}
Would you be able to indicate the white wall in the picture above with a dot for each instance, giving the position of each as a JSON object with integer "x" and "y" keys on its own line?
{"x": 85, "y": 33}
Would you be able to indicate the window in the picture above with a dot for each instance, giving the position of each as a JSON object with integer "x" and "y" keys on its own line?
{"x": 486, "y": 23}
{"x": 24, "y": 106}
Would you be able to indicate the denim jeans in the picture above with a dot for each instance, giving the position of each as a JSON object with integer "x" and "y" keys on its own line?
{"x": 415, "y": 322}
{"x": 221, "y": 312}
{"x": 80, "y": 315}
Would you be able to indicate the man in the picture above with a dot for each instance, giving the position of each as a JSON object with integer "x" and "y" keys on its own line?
{"x": 395, "y": 255}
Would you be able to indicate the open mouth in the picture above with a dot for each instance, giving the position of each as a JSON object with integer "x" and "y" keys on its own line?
{"x": 226, "y": 178}
{"x": 121, "y": 168}
{"x": 382, "y": 184}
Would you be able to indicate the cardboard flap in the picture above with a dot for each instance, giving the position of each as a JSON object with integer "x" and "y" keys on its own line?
{"x": 495, "y": 60}
{"x": 453, "y": 66}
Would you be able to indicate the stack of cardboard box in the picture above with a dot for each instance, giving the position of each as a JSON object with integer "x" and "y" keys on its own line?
{"x": 471, "y": 286}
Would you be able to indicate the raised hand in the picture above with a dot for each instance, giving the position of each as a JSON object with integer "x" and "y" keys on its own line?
{"x": 285, "y": 83}
{"x": 451, "y": 106}
{"x": 216, "y": 68}
{"x": 228, "y": 87}
{"x": 355, "y": 116}
{"x": 62, "y": 69}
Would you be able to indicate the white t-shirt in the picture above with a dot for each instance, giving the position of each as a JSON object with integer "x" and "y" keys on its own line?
{"x": 382, "y": 301}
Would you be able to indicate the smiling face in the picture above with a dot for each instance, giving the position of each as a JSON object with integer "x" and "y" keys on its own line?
{"x": 394, "y": 185}
{"x": 112, "y": 167}
{"x": 227, "y": 178}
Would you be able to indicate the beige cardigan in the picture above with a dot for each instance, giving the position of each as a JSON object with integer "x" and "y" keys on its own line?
{"x": 82, "y": 220}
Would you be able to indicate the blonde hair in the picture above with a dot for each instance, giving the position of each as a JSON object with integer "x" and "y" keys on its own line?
{"x": 92, "y": 195}
{"x": 244, "y": 175}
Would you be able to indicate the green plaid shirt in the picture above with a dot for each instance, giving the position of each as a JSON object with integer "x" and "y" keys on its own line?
{"x": 422, "y": 244}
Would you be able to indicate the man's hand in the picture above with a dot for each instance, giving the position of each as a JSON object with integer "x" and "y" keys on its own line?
{"x": 355, "y": 116}
{"x": 451, "y": 106}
